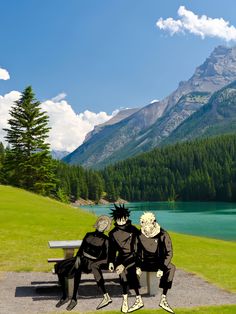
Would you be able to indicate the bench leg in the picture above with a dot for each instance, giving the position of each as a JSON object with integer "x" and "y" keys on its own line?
{"x": 152, "y": 283}
{"x": 143, "y": 280}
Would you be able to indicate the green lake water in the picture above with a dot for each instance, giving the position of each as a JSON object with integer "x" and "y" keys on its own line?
{"x": 215, "y": 220}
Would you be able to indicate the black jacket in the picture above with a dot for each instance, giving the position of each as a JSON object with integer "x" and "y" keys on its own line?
{"x": 154, "y": 253}
{"x": 123, "y": 240}
{"x": 95, "y": 244}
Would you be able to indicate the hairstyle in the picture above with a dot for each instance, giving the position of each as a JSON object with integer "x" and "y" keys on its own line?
{"x": 119, "y": 212}
{"x": 147, "y": 217}
{"x": 102, "y": 218}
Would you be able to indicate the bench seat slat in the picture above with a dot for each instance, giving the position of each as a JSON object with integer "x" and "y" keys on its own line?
{"x": 55, "y": 260}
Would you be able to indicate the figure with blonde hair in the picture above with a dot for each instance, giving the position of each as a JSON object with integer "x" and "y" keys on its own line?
{"x": 92, "y": 257}
{"x": 154, "y": 254}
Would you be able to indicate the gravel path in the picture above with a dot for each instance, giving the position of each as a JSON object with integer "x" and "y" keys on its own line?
{"x": 38, "y": 293}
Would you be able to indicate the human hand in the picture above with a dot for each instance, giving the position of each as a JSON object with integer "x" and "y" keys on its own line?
{"x": 138, "y": 271}
{"x": 119, "y": 269}
{"x": 159, "y": 273}
{"x": 111, "y": 267}
{"x": 77, "y": 262}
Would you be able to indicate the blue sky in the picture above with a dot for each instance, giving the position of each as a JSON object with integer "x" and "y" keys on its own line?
{"x": 103, "y": 54}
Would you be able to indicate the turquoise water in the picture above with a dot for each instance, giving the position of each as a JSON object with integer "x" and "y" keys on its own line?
{"x": 215, "y": 220}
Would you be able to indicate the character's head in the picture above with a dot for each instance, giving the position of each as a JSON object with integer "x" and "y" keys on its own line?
{"x": 103, "y": 223}
{"x": 120, "y": 214}
{"x": 149, "y": 225}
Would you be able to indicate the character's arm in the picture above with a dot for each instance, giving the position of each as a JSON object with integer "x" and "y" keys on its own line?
{"x": 81, "y": 249}
{"x": 111, "y": 250}
{"x": 139, "y": 252}
{"x": 77, "y": 262}
{"x": 105, "y": 248}
{"x": 168, "y": 249}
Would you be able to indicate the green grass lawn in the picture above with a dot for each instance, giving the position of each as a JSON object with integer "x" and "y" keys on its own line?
{"x": 227, "y": 309}
{"x": 29, "y": 221}
{"x": 213, "y": 260}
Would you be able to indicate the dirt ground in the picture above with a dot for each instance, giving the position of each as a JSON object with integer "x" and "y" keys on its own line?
{"x": 37, "y": 292}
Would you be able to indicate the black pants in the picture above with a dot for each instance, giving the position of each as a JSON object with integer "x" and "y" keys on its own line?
{"x": 128, "y": 278}
{"x": 167, "y": 277}
{"x": 87, "y": 266}
{"x": 168, "y": 273}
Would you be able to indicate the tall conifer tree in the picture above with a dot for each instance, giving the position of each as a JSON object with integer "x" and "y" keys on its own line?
{"x": 28, "y": 161}
{"x": 2, "y": 155}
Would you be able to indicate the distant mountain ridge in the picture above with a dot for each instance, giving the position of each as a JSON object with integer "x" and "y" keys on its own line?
{"x": 122, "y": 114}
{"x": 153, "y": 124}
{"x": 58, "y": 154}
{"x": 218, "y": 116}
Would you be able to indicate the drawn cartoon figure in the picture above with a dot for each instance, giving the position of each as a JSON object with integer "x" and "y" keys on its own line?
{"x": 154, "y": 253}
{"x": 92, "y": 257}
{"x": 122, "y": 241}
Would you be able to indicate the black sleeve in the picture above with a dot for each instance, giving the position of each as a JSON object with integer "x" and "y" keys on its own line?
{"x": 104, "y": 260}
{"x": 168, "y": 249}
{"x": 138, "y": 252}
{"x": 81, "y": 249}
{"x": 111, "y": 249}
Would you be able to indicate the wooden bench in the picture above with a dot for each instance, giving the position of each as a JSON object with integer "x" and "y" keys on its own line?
{"x": 55, "y": 260}
{"x": 68, "y": 250}
{"x": 67, "y": 246}
{"x": 147, "y": 279}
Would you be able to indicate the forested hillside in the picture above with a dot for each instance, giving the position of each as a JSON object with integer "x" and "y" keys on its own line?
{"x": 203, "y": 170}
{"x": 74, "y": 182}
{"x": 197, "y": 170}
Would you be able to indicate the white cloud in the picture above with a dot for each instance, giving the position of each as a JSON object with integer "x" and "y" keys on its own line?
{"x": 4, "y": 75}
{"x": 59, "y": 97}
{"x": 68, "y": 129}
{"x": 202, "y": 26}
{"x": 6, "y": 102}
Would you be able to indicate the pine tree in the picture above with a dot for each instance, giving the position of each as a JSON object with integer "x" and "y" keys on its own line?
{"x": 2, "y": 156}
{"x": 28, "y": 161}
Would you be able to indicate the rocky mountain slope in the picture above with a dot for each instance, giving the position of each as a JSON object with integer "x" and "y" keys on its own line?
{"x": 154, "y": 123}
{"x": 218, "y": 116}
{"x": 122, "y": 114}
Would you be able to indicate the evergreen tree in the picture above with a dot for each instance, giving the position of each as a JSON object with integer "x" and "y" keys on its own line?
{"x": 28, "y": 161}
{"x": 201, "y": 170}
{"x": 2, "y": 157}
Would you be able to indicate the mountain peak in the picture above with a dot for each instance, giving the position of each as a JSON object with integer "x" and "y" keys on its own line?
{"x": 221, "y": 62}
{"x": 221, "y": 50}
{"x": 153, "y": 124}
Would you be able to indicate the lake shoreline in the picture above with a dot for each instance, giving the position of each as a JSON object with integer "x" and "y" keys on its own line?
{"x": 102, "y": 201}
{"x": 215, "y": 220}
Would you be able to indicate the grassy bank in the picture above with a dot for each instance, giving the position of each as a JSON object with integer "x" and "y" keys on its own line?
{"x": 29, "y": 221}
{"x": 213, "y": 260}
{"x": 226, "y": 309}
